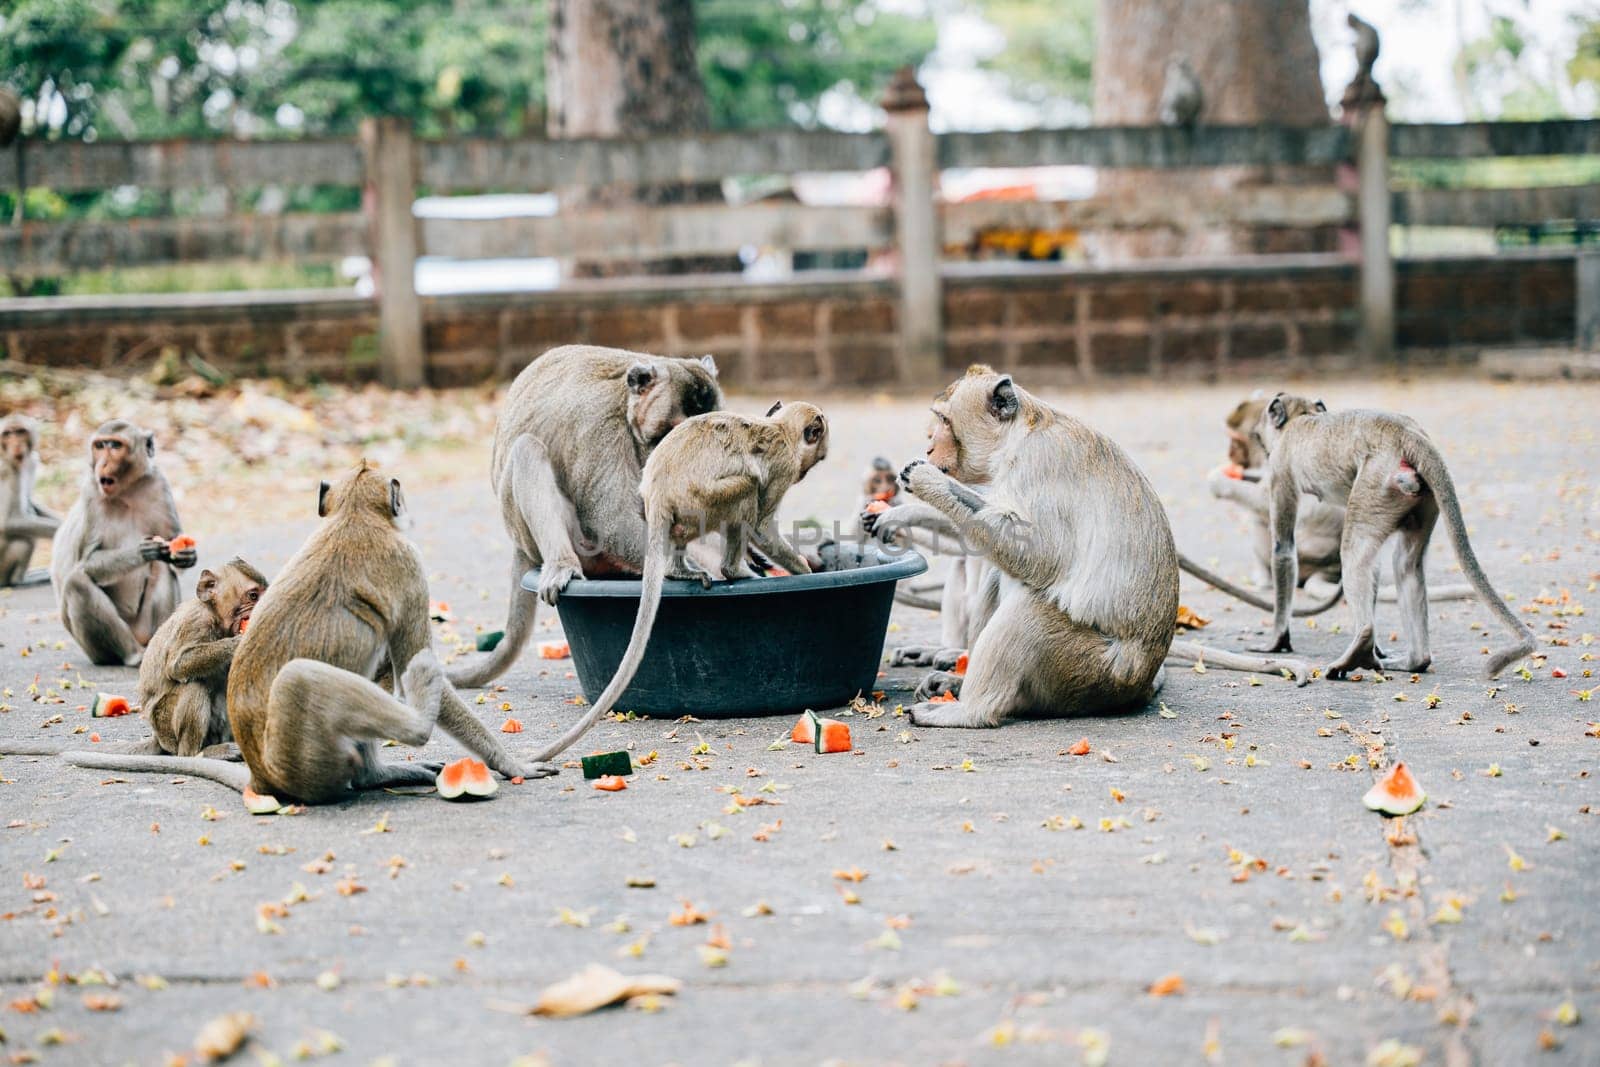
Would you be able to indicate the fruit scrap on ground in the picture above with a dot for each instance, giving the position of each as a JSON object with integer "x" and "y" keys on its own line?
{"x": 260, "y": 803}
{"x": 611, "y": 783}
{"x": 489, "y": 640}
{"x": 109, "y": 706}
{"x": 595, "y": 987}
{"x": 602, "y": 764}
{"x": 511, "y": 726}
{"x": 832, "y": 736}
{"x": 1081, "y": 748}
{"x": 1396, "y": 793}
{"x": 554, "y": 650}
{"x": 1191, "y": 619}
{"x": 466, "y": 779}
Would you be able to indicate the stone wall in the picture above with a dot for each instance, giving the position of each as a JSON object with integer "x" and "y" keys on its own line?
{"x": 1061, "y": 324}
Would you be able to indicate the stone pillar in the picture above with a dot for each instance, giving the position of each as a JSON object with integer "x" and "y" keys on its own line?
{"x": 1363, "y": 112}
{"x": 914, "y": 169}
{"x": 387, "y": 195}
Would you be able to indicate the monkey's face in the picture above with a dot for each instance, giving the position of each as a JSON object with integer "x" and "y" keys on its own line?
{"x": 119, "y": 457}
{"x": 812, "y": 428}
{"x": 971, "y": 421}
{"x": 881, "y": 484}
{"x": 664, "y": 392}
{"x": 363, "y": 491}
{"x": 16, "y": 442}
{"x": 232, "y": 595}
{"x": 1244, "y": 444}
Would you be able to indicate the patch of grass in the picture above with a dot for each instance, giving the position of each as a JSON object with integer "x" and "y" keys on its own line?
{"x": 190, "y": 278}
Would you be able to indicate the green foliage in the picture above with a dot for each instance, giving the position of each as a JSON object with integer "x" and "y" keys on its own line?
{"x": 1049, "y": 50}
{"x": 187, "y": 278}
{"x": 769, "y": 64}
{"x": 1503, "y": 77}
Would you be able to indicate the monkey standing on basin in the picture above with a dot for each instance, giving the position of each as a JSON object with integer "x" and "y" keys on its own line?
{"x": 305, "y": 710}
{"x": 569, "y": 447}
{"x": 1390, "y": 479}
{"x": 23, "y": 520}
{"x": 114, "y": 573}
{"x": 717, "y": 473}
{"x": 1089, "y": 574}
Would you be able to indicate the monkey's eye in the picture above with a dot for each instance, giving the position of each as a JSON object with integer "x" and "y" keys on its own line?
{"x": 253, "y": 595}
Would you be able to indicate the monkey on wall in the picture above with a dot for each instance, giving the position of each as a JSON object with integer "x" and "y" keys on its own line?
{"x": 716, "y": 473}
{"x": 183, "y": 681}
{"x": 114, "y": 574}
{"x": 569, "y": 448}
{"x": 23, "y": 520}
{"x": 1390, "y": 480}
{"x": 303, "y": 705}
{"x": 1088, "y": 590}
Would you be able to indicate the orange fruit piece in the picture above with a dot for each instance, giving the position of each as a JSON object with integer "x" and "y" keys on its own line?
{"x": 1081, "y": 748}
{"x": 466, "y": 779}
{"x": 832, "y": 736}
{"x": 555, "y": 650}
{"x": 611, "y": 783}
{"x": 943, "y": 698}
{"x": 511, "y": 726}
{"x": 877, "y": 507}
{"x": 961, "y": 665}
{"x": 179, "y": 543}
{"x": 1167, "y": 985}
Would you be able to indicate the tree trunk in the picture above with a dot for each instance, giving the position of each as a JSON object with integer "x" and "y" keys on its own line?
{"x": 1256, "y": 63}
{"x": 626, "y": 68}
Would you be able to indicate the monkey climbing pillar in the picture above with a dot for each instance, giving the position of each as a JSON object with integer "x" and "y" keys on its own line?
{"x": 914, "y": 173}
{"x": 386, "y": 197}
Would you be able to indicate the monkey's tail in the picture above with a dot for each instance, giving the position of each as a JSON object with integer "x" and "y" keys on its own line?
{"x": 657, "y": 555}
{"x": 148, "y": 747}
{"x": 1421, "y": 454}
{"x": 1254, "y": 600}
{"x": 911, "y": 599}
{"x": 235, "y": 776}
{"x": 1389, "y": 595}
{"x": 521, "y": 610}
{"x": 1192, "y": 652}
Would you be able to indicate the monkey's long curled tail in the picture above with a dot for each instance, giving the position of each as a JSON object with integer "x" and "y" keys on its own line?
{"x": 235, "y": 776}
{"x": 148, "y": 747}
{"x": 1191, "y": 652}
{"x": 1254, "y": 600}
{"x": 1422, "y": 455}
{"x": 657, "y": 555}
{"x": 520, "y": 613}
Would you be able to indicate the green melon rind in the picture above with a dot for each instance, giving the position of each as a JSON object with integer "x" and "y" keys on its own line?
{"x": 816, "y": 733}
{"x": 490, "y": 640}
{"x": 604, "y": 763}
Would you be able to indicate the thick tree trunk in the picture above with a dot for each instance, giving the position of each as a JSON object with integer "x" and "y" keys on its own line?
{"x": 1256, "y": 62}
{"x": 626, "y": 68}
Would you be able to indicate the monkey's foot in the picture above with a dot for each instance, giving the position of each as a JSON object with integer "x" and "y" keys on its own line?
{"x": 947, "y": 713}
{"x": 738, "y": 573}
{"x": 538, "y": 770}
{"x": 554, "y": 576}
{"x": 394, "y": 775}
{"x": 1280, "y": 643}
{"x": 938, "y": 684}
{"x": 1361, "y": 653}
{"x": 1410, "y": 664}
{"x": 224, "y": 750}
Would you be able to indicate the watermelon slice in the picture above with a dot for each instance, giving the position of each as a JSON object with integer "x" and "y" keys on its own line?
{"x": 832, "y": 736}
{"x": 109, "y": 706}
{"x": 179, "y": 543}
{"x": 244, "y": 624}
{"x": 555, "y": 650}
{"x": 611, "y": 783}
{"x": 489, "y": 641}
{"x": 877, "y": 507}
{"x": 805, "y": 729}
{"x": 607, "y": 764}
{"x": 1396, "y": 793}
{"x": 466, "y": 779}
{"x": 1233, "y": 471}
{"x": 961, "y": 665}
{"x": 260, "y": 803}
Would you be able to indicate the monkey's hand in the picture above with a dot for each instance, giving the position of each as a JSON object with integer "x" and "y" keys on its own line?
{"x": 185, "y": 558}
{"x": 917, "y": 472}
{"x": 154, "y": 548}
{"x": 1279, "y": 644}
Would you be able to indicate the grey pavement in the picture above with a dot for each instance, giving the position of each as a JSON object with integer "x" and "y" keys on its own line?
{"x": 1226, "y": 844}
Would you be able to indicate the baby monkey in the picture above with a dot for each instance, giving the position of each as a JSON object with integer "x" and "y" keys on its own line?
{"x": 1391, "y": 480}
{"x": 183, "y": 680}
{"x": 722, "y": 473}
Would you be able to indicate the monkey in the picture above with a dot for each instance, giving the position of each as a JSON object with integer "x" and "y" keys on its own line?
{"x": 880, "y": 492}
{"x": 304, "y": 709}
{"x": 183, "y": 681}
{"x": 569, "y": 447}
{"x": 715, "y": 472}
{"x": 1088, "y": 589}
{"x": 23, "y": 520}
{"x": 114, "y": 574}
{"x": 1390, "y": 479}
{"x": 1319, "y": 526}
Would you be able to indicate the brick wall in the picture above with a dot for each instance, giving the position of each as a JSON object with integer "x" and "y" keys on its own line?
{"x": 1058, "y": 324}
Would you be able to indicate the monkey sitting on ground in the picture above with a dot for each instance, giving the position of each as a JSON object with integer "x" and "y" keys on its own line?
{"x": 183, "y": 681}
{"x": 1089, "y": 574}
{"x": 569, "y": 447}
{"x": 715, "y": 473}
{"x": 304, "y": 709}
{"x": 23, "y": 520}
{"x": 112, "y": 568}
{"x": 1390, "y": 479}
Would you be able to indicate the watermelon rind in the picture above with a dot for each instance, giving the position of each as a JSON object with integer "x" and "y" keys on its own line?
{"x": 1379, "y": 798}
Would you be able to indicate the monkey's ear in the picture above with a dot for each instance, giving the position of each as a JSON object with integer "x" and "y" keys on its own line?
{"x": 815, "y": 429}
{"x": 322, "y": 500}
{"x": 640, "y": 375}
{"x": 1003, "y": 402}
{"x": 397, "y": 501}
{"x": 1277, "y": 412}
{"x": 150, "y": 444}
{"x": 709, "y": 364}
{"x": 206, "y": 587}
{"x": 1318, "y": 406}
{"x": 777, "y": 406}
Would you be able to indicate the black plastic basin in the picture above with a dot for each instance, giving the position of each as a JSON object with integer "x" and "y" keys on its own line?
{"x": 760, "y": 646}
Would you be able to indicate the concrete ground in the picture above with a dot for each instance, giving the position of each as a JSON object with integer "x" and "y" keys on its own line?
{"x": 1222, "y": 840}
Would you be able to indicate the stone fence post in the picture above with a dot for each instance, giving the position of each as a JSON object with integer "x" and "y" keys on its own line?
{"x": 387, "y": 193}
{"x": 1362, "y": 110}
{"x": 914, "y": 173}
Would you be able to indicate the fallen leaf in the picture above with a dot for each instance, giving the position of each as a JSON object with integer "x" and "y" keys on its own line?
{"x": 596, "y": 986}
